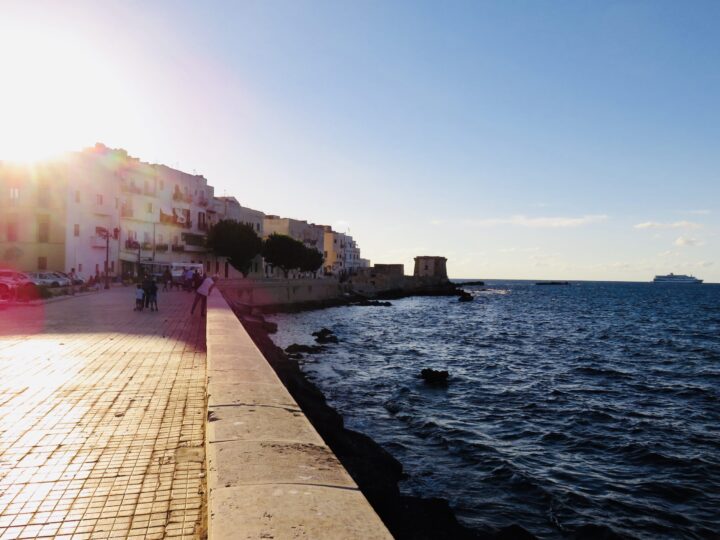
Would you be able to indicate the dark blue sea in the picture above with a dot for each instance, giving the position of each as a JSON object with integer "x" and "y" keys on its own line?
{"x": 594, "y": 403}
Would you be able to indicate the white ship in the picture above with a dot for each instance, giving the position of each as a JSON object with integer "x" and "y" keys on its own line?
{"x": 676, "y": 278}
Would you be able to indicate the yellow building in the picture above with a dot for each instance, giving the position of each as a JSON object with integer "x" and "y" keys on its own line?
{"x": 32, "y": 216}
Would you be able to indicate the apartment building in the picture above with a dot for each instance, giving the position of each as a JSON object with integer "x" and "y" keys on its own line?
{"x": 92, "y": 202}
{"x": 342, "y": 254}
{"x": 230, "y": 208}
{"x": 32, "y": 216}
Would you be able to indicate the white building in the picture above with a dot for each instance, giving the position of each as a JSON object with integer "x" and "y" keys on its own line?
{"x": 92, "y": 213}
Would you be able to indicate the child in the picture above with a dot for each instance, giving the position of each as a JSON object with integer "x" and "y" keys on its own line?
{"x": 139, "y": 298}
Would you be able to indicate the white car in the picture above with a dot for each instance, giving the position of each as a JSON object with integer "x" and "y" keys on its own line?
{"x": 48, "y": 279}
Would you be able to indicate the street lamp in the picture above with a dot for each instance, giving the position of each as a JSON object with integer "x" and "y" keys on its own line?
{"x": 104, "y": 233}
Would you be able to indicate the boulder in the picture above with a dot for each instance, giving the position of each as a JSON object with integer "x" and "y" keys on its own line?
{"x": 325, "y": 335}
{"x": 465, "y": 297}
{"x": 308, "y": 349}
{"x": 435, "y": 377}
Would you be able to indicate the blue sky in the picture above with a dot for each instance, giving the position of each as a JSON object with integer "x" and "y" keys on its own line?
{"x": 574, "y": 140}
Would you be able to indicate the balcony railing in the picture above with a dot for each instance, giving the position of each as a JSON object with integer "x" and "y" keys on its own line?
{"x": 178, "y": 247}
{"x": 203, "y": 201}
{"x": 147, "y": 246}
{"x": 132, "y": 244}
{"x": 161, "y": 247}
{"x": 98, "y": 242}
{"x": 180, "y": 196}
{"x": 203, "y": 226}
{"x": 130, "y": 188}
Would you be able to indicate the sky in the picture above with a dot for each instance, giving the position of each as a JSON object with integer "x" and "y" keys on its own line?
{"x": 519, "y": 139}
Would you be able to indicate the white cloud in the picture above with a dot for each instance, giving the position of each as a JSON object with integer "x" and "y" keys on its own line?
{"x": 674, "y": 225}
{"x": 685, "y": 241}
{"x": 538, "y": 222}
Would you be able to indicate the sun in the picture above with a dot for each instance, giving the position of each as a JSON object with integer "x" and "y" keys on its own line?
{"x": 55, "y": 91}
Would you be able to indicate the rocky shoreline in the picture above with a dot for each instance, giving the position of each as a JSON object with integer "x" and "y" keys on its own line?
{"x": 375, "y": 471}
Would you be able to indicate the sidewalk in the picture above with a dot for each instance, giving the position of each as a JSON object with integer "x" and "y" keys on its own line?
{"x": 102, "y": 414}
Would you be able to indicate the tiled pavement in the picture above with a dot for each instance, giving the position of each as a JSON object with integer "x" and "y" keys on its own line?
{"x": 102, "y": 419}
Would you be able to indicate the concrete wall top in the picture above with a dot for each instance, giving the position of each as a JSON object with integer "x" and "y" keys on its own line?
{"x": 270, "y": 475}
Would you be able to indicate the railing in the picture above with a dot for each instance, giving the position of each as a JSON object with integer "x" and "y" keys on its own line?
{"x": 132, "y": 244}
{"x": 180, "y": 196}
{"x": 130, "y": 188}
{"x": 147, "y": 246}
{"x": 178, "y": 247}
{"x": 203, "y": 202}
{"x": 161, "y": 247}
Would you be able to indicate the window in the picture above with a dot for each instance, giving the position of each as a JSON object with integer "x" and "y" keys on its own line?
{"x": 80, "y": 267}
{"x": 76, "y": 229}
{"x": 149, "y": 208}
{"x": 14, "y": 194}
{"x": 12, "y": 231}
{"x": 43, "y": 229}
{"x": 112, "y": 266}
{"x": 42, "y": 263}
{"x": 99, "y": 199}
{"x": 77, "y": 196}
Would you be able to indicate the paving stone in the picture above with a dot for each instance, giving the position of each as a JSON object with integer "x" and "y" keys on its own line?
{"x": 102, "y": 416}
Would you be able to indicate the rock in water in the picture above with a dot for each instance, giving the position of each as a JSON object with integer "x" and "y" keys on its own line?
{"x": 325, "y": 335}
{"x": 435, "y": 377}
{"x": 465, "y": 297}
{"x": 309, "y": 349}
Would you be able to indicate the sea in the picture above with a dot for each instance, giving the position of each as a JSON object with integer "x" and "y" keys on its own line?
{"x": 594, "y": 403}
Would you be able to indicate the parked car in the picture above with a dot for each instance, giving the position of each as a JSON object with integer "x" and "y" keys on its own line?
{"x": 79, "y": 280}
{"x": 63, "y": 279}
{"x": 7, "y": 290}
{"x": 23, "y": 286}
{"x": 46, "y": 279}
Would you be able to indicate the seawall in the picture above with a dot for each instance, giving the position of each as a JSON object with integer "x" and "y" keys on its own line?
{"x": 269, "y": 473}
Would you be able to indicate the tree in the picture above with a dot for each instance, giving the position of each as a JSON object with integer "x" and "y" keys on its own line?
{"x": 238, "y": 242}
{"x": 312, "y": 260}
{"x": 287, "y": 253}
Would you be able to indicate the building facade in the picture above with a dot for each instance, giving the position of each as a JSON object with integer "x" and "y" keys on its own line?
{"x": 33, "y": 216}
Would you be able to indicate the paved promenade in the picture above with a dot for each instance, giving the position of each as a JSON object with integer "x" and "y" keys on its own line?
{"x": 102, "y": 414}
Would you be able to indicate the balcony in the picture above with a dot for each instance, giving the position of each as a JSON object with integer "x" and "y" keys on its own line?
{"x": 132, "y": 244}
{"x": 203, "y": 201}
{"x": 182, "y": 197}
{"x": 130, "y": 188}
{"x": 126, "y": 212}
{"x": 161, "y": 248}
{"x": 146, "y": 246}
{"x": 98, "y": 242}
{"x": 178, "y": 248}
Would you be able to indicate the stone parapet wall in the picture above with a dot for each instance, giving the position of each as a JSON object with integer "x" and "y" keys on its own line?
{"x": 272, "y": 292}
{"x": 270, "y": 475}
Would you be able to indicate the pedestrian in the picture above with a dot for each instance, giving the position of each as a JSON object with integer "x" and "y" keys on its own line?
{"x": 153, "y": 295}
{"x": 197, "y": 279}
{"x": 201, "y": 295}
{"x": 147, "y": 286}
{"x": 72, "y": 278}
{"x": 167, "y": 279}
{"x": 139, "y": 298}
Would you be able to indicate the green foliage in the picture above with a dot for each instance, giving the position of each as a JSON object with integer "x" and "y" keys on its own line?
{"x": 237, "y": 242}
{"x": 44, "y": 292}
{"x": 287, "y": 253}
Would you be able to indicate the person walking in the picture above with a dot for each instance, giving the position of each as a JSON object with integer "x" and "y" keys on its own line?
{"x": 167, "y": 279}
{"x": 201, "y": 295}
{"x": 72, "y": 278}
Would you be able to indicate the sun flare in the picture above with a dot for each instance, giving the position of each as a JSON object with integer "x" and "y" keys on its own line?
{"x": 55, "y": 90}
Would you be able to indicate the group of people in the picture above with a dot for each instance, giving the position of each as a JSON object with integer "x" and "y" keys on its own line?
{"x": 146, "y": 295}
{"x": 146, "y": 292}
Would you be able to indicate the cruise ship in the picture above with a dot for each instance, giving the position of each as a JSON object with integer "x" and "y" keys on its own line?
{"x": 676, "y": 278}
